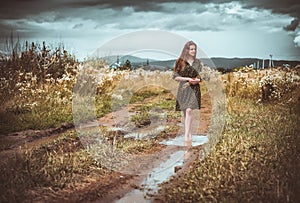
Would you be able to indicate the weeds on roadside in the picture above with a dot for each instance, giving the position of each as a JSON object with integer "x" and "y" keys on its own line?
{"x": 256, "y": 159}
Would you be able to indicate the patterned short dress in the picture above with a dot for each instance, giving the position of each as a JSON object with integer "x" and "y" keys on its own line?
{"x": 188, "y": 95}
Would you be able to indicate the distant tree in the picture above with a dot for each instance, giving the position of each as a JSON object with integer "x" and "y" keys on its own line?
{"x": 221, "y": 70}
{"x": 127, "y": 65}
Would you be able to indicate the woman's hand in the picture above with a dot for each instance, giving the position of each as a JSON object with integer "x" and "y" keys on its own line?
{"x": 194, "y": 81}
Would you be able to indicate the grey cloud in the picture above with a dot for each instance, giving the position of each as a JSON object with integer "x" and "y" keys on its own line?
{"x": 113, "y": 13}
{"x": 77, "y": 26}
{"x": 292, "y": 27}
{"x": 16, "y": 9}
{"x": 290, "y": 7}
{"x": 180, "y": 24}
{"x": 17, "y": 29}
{"x": 5, "y": 30}
{"x": 181, "y": 8}
{"x": 117, "y": 4}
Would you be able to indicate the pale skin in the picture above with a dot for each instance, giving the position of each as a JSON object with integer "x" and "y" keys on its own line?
{"x": 188, "y": 112}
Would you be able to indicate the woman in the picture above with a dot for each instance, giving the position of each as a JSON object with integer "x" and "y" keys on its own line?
{"x": 186, "y": 72}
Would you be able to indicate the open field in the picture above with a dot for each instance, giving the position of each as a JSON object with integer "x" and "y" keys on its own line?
{"x": 44, "y": 159}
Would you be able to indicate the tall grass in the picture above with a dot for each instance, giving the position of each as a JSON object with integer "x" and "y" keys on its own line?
{"x": 36, "y": 87}
{"x": 257, "y": 157}
{"x": 37, "y": 94}
{"x": 56, "y": 165}
{"x": 64, "y": 164}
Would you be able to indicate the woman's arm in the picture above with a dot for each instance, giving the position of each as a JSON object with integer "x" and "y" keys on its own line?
{"x": 183, "y": 79}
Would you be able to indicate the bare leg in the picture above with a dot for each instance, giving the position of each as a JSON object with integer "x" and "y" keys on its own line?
{"x": 183, "y": 120}
{"x": 188, "y": 125}
{"x": 187, "y": 155}
{"x": 187, "y": 132}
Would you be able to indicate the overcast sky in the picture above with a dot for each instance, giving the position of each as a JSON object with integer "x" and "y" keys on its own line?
{"x": 221, "y": 28}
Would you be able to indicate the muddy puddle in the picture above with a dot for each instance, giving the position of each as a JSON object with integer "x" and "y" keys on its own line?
{"x": 147, "y": 132}
{"x": 159, "y": 175}
{"x": 164, "y": 171}
{"x": 157, "y": 168}
{"x": 179, "y": 140}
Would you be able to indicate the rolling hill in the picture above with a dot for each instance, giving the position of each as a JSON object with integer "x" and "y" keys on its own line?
{"x": 215, "y": 62}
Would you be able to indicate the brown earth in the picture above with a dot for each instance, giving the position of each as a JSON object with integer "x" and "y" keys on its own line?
{"x": 108, "y": 187}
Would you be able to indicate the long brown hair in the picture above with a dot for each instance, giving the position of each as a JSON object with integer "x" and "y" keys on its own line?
{"x": 180, "y": 62}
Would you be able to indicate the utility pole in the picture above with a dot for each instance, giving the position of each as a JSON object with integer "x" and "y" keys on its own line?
{"x": 270, "y": 62}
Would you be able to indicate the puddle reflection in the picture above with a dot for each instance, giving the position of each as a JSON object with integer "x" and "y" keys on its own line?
{"x": 158, "y": 175}
{"x": 180, "y": 141}
{"x": 165, "y": 170}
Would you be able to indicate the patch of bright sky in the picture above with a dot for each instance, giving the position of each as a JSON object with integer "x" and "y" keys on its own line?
{"x": 155, "y": 54}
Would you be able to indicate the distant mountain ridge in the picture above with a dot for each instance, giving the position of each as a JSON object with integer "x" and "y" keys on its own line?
{"x": 230, "y": 63}
{"x": 214, "y": 62}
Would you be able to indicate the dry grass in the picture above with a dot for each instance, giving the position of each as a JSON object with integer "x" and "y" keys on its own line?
{"x": 61, "y": 163}
{"x": 256, "y": 159}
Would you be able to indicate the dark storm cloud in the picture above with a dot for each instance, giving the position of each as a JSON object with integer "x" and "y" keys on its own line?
{"x": 8, "y": 29}
{"x": 56, "y": 10}
{"x": 5, "y": 30}
{"x": 77, "y": 26}
{"x": 15, "y": 9}
{"x": 289, "y": 7}
{"x": 100, "y": 18}
{"x": 137, "y": 5}
{"x": 292, "y": 27}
